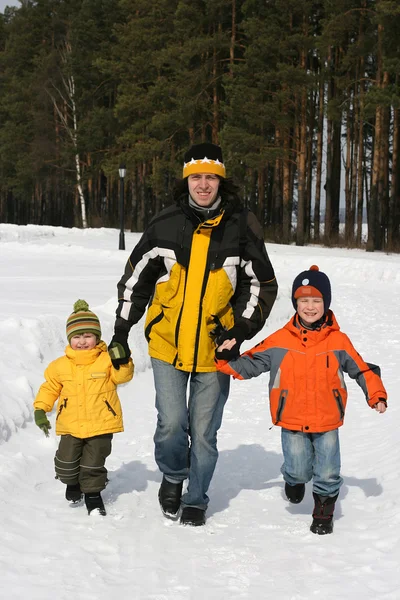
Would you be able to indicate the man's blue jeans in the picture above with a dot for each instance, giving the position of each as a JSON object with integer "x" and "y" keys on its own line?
{"x": 313, "y": 456}
{"x": 186, "y": 434}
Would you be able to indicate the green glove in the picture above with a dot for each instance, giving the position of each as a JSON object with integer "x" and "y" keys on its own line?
{"x": 118, "y": 349}
{"x": 42, "y": 421}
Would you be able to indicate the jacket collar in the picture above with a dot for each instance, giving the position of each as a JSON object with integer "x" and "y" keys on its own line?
{"x": 85, "y": 357}
{"x": 225, "y": 209}
{"x": 330, "y": 324}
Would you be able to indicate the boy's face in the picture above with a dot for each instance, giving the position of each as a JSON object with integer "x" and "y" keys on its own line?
{"x": 310, "y": 309}
{"x": 83, "y": 341}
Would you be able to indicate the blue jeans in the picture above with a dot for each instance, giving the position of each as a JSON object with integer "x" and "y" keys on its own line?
{"x": 186, "y": 434}
{"x": 313, "y": 456}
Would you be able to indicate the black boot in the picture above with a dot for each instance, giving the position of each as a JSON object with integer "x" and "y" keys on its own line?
{"x": 193, "y": 516}
{"x": 295, "y": 493}
{"x": 73, "y": 493}
{"x": 94, "y": 503}
{"x": 323, "y": 514}
{"x": 169, "y": 496}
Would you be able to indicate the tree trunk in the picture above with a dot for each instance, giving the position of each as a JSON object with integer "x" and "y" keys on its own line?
{"x": 394, "y": 207}
{"x": 320, "y": 137}
{"x": 233, "y": 39}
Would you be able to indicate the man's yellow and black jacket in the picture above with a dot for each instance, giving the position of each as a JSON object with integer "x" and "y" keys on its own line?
{"x": 194, "y": 274}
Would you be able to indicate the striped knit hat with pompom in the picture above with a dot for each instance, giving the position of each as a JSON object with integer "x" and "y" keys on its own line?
{"x": 82, "y": 320}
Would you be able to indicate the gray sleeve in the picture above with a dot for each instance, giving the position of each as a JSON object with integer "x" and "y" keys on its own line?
{"x": 356, "y": 371}
{"x": 254, "y": 363}
{"x": 248, "y": 366}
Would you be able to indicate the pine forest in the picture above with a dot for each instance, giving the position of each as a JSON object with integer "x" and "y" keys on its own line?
{"x": 302, "y": 95}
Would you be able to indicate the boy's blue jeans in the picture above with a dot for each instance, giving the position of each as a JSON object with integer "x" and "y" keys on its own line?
{"x": 313, "y": 456}
{"x": 186, "y": 434}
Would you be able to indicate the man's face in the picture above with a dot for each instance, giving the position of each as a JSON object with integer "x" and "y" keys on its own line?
{"x": 203, "y": 188}
{"x": 310, "y": 309}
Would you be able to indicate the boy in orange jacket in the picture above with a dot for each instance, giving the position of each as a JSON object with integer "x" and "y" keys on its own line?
{"x": 88, "y": 412}
{"x": 307, "y": 359}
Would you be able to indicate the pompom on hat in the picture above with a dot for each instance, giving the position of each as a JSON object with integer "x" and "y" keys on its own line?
{"x": 312, "y": 283}
{"x": 82, "y": 320}
{"x": 204, "y": 158}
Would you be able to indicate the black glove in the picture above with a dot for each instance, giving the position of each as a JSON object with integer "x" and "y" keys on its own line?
{"x": 118, "y": 349}
{"x": 239, "y": 332}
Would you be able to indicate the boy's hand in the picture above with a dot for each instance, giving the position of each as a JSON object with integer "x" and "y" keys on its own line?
{"x": 42, "y": 421}
{"x": 380, "y": 406}
{"x": 118, "y": 349}
{"x": 227, "y": 350}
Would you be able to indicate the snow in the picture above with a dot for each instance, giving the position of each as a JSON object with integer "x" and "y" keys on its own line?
{"x": 254, "y": 545}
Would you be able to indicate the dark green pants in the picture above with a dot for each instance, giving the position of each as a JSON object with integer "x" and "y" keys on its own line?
{"x": 83, "y": 460}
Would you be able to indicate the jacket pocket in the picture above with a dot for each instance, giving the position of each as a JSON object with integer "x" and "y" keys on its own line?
{"x": 98, "y": 375}
{"x": 63, "y": 405}
{"x": 110, "y": 408}
{"x": 338, "y": 398}
{"x": 281, "y": 405}
{"x": 151, "y": 324}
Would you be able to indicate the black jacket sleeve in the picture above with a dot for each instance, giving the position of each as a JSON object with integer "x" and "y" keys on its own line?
{"x": 136, "y": 286}
{"x": 257, "y": 287}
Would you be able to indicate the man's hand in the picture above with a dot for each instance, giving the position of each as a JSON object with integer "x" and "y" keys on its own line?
{"x": 235, "y": 336}
{"x": 224, "y": 351}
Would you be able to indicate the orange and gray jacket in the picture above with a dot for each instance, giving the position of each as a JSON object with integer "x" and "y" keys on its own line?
{"x": 85, "y": 384}
{"x": 307, "y": 390}
{"x": 195, "y": 275}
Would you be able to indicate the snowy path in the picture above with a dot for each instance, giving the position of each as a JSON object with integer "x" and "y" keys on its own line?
{"x": 255, "y": 545}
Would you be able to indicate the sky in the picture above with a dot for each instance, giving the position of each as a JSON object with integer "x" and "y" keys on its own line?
{"x": 4, "y": 3}
{"x": 255, "y": 545}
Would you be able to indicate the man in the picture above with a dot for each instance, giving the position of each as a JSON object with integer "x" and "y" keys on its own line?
{"x": 203, "y": 268}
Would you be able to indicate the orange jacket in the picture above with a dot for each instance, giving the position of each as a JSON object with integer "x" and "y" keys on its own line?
{"x": 306, "y": 389}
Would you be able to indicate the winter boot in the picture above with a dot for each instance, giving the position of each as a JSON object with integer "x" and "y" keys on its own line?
{"x": 169, "y": 496}
{"x": 193, "y": 516}
{"x": 295, "y": 493}
{"x": 94, "y": 503}
{"x": 73, "y": 493}
{"x": 323, "y": 514}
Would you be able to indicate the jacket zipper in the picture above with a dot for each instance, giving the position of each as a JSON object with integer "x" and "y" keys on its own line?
{"x": 281, "y": 405}
{"x": 197, "y": 342}
{"x": 339, "y": 402}
{"x": 110, "y": 408}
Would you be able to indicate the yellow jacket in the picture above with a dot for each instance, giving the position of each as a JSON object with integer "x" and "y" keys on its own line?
{"x": 85, "y": 382}
{"x": 192, "y": 275}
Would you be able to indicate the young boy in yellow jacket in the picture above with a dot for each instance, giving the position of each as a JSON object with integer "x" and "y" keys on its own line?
{"x": 88, "y": 411}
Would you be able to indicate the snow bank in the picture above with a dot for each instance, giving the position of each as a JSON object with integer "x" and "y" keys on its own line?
{"x": 27, "y": 346}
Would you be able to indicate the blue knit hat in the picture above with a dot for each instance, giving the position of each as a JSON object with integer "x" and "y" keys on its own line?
{"x": 312, "y": 283}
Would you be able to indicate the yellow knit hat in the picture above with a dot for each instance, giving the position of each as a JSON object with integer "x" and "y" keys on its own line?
{"x": 204, "y": 158}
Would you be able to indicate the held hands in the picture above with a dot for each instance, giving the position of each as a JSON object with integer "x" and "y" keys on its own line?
{"x": 224, "y": 350}
{"x": 42, "y": 421}
{"x": 235, "y": 336}
{"x": 118, "y": 349}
